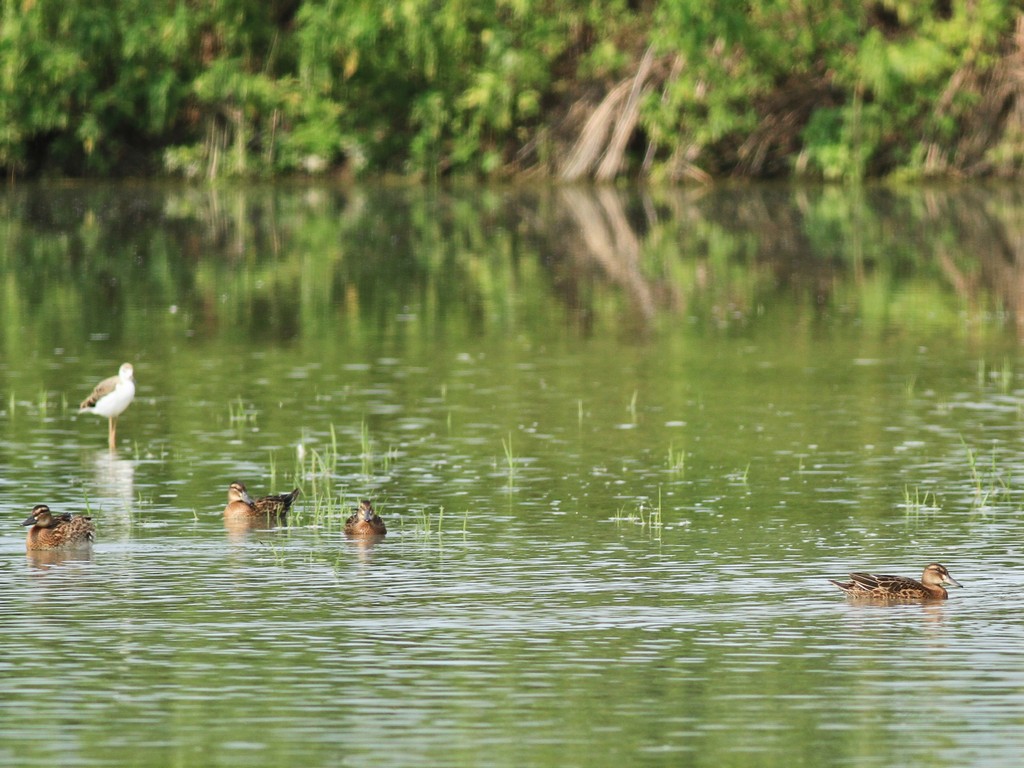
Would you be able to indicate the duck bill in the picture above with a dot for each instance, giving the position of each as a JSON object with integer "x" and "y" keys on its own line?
{"x": 30, "y": 521}
{"x": 949, "y": 581}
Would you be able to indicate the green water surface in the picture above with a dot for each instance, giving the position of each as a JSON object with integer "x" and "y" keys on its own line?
{"x": 621, "y": 439}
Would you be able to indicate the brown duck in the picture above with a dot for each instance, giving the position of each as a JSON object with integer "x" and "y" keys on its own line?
{"x": 877, "y": 587}
{"x": 241, "y": 504}
{"x": 365, "y": 522}
{"x": 50, "y": 531}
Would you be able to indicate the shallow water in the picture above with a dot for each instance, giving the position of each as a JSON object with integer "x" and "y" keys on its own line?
{"x": 620, "y": 443}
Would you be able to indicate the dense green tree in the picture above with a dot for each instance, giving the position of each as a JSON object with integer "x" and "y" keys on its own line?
{"x": 666, "y": 88}
{"x": 841, "y": 89}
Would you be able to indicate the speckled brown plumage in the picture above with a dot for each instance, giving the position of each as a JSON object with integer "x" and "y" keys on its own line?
{"x": 365, "y": 522}
{"x": 881, "y": 587}
{"x": 241, "y": 504}
{"x": 50, "y": 531}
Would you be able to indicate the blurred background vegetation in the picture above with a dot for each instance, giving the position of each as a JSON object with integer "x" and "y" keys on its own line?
{"x": 665, "y": 89}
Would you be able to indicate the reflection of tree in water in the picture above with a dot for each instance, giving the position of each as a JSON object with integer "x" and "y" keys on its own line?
{"x": 602, "y": 240}
{"x": 732, "y": 251}
{"x": 985, "y": 263}
{"x": 770, "y": 227}
{"x": 276, "y": 264}
{"x": 734, "y": 248}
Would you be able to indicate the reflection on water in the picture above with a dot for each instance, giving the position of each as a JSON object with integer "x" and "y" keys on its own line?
{"x": 46, "y": 559}
{"x": 609, "y": 242}
{"x": 113, "y": 478}
{"x": 621, "y": 441}
{"x": 239, "y": 527}
{"x": 364, "y": 546}
{"x": 262, "y": 265}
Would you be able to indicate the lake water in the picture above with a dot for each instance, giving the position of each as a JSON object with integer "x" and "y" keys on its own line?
{"x": 620, "y": 439}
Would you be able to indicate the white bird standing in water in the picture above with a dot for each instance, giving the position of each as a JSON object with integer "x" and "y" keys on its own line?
{"x": 111, "y": 397}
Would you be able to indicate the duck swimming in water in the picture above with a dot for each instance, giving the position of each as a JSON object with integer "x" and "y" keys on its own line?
{"x": 878, "y": 587}
{"x": 365, "y": 522}
{"x": 241, "y": 504}
{"x": 50, "y": 531}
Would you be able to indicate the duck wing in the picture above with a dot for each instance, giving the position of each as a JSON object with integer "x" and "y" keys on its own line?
{"x": 276, "y": 504}
{"x": 884, "y": 584}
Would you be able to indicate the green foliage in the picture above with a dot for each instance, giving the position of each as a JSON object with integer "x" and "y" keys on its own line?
{"x": 80, "y": 83}
{"x": 865, "y": 82}
{"x": 837, "y": 90}
{"x": 839, "y": 142}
